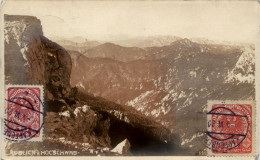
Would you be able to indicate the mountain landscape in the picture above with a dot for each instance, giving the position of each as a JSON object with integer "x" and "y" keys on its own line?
{"x": 171, "y": 84}
{"x": 74, "y": 119}
{"x": 144, "y": 96}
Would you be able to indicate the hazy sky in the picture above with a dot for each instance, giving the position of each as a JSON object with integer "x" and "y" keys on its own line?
{"x": 104, "y": 20}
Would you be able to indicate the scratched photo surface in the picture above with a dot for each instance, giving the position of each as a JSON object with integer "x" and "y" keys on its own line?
{"x": 127, "y": 78}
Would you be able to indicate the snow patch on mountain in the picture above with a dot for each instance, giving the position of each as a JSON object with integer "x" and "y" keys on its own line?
{"x": 243, "y": 72}
{"x": 16, "y": 30}
{"x": 120, "y": 115}
{"x": 78, "y": 111}
{"x": 65, "y": 114}
{"x": 162, "y": 109}
{"x": 139, "y": 99}
{"x": 23, "y": 51}
{"x": 189, "y": 140}
{"x": 79, "y": 84}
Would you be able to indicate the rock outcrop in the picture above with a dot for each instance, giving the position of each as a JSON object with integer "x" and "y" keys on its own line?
{"x": 85, "y": 126}
{"x": 122, "y": 148}
{"x": 72, "y": 119}
{"x": 32, "y": 58}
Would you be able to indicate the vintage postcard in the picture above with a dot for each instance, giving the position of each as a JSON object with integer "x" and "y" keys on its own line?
{"x": 106, "y": 79}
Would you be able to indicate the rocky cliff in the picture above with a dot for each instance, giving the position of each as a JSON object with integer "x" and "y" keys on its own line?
{"x": 31, "y": 58}
{"x": 73, "y": 120}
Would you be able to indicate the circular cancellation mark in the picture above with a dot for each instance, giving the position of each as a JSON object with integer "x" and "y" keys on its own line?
{"x": 23, "y": 120}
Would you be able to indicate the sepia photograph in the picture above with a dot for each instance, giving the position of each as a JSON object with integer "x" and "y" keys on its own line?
{"x": 129, "y": 78}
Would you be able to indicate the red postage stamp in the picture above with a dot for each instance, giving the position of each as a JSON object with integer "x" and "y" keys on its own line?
{"x": 24, "y": 113}
{"x": 229, "y": 128}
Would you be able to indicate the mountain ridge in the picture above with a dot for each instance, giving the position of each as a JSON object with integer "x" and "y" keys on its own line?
{"x": 171, "y": 83}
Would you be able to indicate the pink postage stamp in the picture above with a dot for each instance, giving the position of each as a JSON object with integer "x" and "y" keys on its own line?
{"x": 24, "y": 113}
{"x": 229, "y": 127}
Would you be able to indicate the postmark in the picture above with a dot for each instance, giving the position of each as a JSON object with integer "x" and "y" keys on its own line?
{"x": 23, "y": 113}
{"x": 229, "y": 128}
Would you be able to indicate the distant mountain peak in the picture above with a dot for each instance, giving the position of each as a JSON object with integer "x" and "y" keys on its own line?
{"x": 109, "y": 44}
{"x": 150, "y": 41}
{"x": 184, "y": 41}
